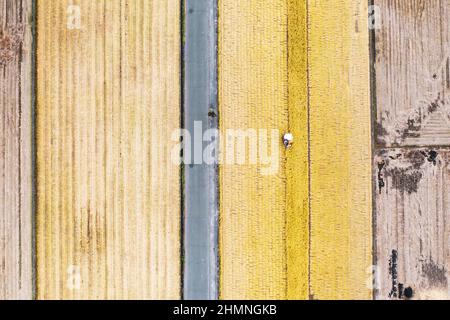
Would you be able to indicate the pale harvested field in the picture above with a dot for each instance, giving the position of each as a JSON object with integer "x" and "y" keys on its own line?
{"x": 108, "y": 95}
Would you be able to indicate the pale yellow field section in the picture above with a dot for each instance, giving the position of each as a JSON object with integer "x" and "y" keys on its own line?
{"x": 304, "y": 230}
{"x": 340, "y": 150}
{"x": 108, "y": 198}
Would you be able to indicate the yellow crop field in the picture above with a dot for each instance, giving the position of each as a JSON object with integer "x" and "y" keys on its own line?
{"x": 304, "y": 231}
{"x": 340, "y": 150}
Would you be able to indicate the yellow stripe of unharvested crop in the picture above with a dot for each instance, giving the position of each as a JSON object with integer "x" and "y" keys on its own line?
{"x": 262, "y": 85}
{"x": 107, "y": 194}
{"x": 340, "y": 149}
{"x": 297, "y": 218}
